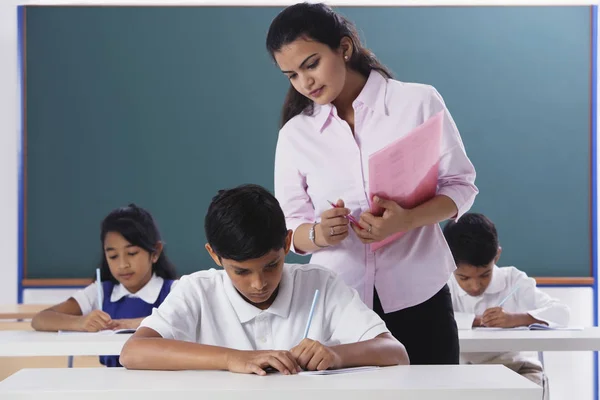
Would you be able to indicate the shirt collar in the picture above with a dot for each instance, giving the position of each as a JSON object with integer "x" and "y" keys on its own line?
{"x": 246, "y": 311}
{"x": 321, "y": 115}
{"x": 149, "y": 293}
{"x": 497, "y": 284}
{"x": 372, "y": 96}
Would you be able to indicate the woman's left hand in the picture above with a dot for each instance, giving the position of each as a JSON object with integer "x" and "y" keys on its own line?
{"x": 394, "y": 219}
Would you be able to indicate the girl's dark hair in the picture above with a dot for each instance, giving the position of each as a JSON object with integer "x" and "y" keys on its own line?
{"x": 320, "y": 23}
{"x": 137, "y": 226}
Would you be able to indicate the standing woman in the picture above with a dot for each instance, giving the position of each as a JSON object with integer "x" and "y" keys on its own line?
{"x": 342, "y": 106}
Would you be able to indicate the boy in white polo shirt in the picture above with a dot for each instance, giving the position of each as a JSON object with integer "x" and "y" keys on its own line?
{"x": 478, "y": 287}
{"x": 251, "y": 316}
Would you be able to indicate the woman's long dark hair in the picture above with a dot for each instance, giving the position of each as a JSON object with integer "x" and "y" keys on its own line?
{"x": 137, "y": 226}
{"x": 317, "y": 22}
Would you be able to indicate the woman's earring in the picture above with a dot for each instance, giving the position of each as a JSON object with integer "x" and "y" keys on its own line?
{"x": 346, "y": 58}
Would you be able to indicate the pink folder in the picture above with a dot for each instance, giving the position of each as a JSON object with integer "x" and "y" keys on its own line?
{"x": 406, "y": 171}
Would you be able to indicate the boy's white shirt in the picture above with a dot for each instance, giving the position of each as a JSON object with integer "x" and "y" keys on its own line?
{"x": 87, "y": 298}
{"x": 206, "y": 308}
{"x": 527, "y": 299}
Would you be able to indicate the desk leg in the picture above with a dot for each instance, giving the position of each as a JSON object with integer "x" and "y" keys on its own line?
{"x": 541, "y": 358}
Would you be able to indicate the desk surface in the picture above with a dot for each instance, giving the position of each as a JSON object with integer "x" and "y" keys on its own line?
{"x": 32, "y": 343}
{"x": 450, "y": 382}
{"x": 21, "y": 311}
{"x": 587, "y": 339}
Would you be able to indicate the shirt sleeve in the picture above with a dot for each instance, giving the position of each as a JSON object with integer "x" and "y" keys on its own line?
{"x": 87, "y": 299}
{"x": 290, "y": 188}
{"x": 538, "y": 304}
{"x": 178, "y": 316}
{"x": 350, "y": 319}
{"x": 456, "y": 178}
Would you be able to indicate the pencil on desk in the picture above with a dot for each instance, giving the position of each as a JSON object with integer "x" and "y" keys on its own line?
{"x": 99, "y": 288}
{"x": 310, "y": 315}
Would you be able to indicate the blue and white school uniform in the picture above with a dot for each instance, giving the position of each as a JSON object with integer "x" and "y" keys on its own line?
{"x": 119, "y": 303}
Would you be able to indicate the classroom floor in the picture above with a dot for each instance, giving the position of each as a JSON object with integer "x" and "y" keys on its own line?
{"x": 10, "y": 365}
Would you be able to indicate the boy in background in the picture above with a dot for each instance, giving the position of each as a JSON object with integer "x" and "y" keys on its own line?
{"x": 478, "y": 287}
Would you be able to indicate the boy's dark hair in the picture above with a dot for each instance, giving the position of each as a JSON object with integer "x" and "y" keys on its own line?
{"x": 320, "y": 23}
{"x": 245, "y": 223}
{"x": 473, "y": 240}
{"x": 137, "y": 226}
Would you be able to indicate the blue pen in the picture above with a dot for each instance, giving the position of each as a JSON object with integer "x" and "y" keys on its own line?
{"x": 99, "y": 288}
{"x": 312, "y": 310}
{"x": 508, "y": 296}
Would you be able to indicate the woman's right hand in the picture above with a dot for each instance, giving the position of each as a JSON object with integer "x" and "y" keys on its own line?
{"x": 333, "y": 228}
{"x": 96, "y": 321}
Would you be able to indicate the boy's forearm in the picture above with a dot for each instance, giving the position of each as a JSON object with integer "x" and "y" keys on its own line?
{"x": 380, "y": 351}
{"x": 49, "y": 320}
{"x": 173, "y": 355}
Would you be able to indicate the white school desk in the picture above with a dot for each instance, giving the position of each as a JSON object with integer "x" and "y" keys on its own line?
{"x": 32, "y": 343}
{"x": 21, "y": 311}
{"x": 448, "y": 382}
{"x": 471, "y": 341}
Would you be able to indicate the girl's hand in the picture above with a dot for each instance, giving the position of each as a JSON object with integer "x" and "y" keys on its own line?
{"x": 96, "y": 321}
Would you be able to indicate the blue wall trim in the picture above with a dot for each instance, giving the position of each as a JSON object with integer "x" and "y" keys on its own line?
{"x": 20, "y": 155}
{"x": 594, "y": 178}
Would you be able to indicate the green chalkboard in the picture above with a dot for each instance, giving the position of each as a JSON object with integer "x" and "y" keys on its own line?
{"x": 163, "y": 106}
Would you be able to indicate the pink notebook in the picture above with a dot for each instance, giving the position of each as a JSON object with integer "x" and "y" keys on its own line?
{"x": 406, "y": 170}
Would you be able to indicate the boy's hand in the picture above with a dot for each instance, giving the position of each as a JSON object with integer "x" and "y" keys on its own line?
{"x": 95, "y": 321}
{"x": 255, "y": 362}
{"x": 477, "y": 321}
{"x": 312, "y": 355}
{"x": 497, "y": 317}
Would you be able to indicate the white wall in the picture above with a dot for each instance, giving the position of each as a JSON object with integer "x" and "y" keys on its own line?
{"x": 9, "y": 135}
{"x": 571, "y": 374}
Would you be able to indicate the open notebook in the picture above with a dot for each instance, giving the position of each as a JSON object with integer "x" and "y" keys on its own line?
{"x": 104, "y": 332}
{"x": 532, "y": 327}
{"x": 338, "y": 371}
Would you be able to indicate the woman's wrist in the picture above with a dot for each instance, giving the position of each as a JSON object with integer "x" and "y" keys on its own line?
{"x": 320, "y": 237}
